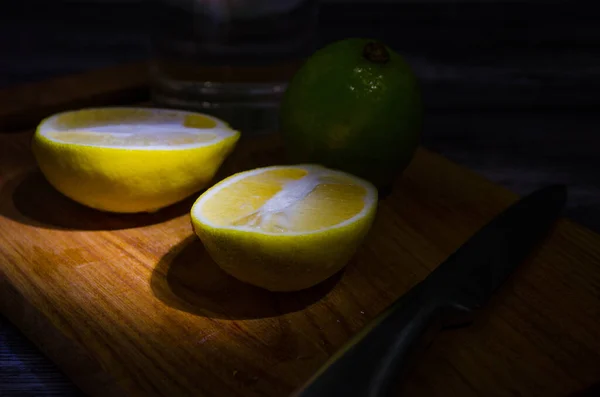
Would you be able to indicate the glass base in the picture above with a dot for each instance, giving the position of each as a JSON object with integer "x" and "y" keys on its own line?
{"x": 248, "y": 107}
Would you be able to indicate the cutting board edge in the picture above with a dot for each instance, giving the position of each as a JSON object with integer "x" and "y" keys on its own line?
{"x": 510, "y": 196}
{"x": 56, "y": 345}
{"x": 31, "y": 102}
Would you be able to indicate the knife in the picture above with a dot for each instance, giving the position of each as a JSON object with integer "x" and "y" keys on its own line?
{"x": 372, "y": 363}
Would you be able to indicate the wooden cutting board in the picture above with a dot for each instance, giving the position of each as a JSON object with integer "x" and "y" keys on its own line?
{"x": 133, "y": 305}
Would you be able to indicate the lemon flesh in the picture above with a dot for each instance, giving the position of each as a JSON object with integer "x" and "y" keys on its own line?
{"x": 285, "y": 228}
{"x": 129, "y": 160}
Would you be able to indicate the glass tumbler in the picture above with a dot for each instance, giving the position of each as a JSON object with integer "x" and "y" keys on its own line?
{"x": 230, "y": 58}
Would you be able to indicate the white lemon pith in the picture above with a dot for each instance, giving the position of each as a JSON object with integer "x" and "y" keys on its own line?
{"x": 285, "y": 228}
{"x": 130, "y": 160}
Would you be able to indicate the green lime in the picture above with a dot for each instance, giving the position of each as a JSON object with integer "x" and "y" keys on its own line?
{"x": 354, "y": 105}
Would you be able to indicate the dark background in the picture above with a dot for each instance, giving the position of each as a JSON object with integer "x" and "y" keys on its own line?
{"x": 511, "y": 91}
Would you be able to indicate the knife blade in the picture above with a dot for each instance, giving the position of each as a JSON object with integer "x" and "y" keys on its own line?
{"x": 372, "y": 362}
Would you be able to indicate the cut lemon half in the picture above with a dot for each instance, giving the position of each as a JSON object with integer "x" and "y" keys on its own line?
{"x": 131, "y": 159}
{"x": 285, "y": 228}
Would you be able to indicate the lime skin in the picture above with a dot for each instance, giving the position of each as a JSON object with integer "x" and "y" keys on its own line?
{"x": 354, "y": 105}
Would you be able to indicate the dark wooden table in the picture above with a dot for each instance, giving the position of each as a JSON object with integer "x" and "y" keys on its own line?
{"x": 510, "y": 89}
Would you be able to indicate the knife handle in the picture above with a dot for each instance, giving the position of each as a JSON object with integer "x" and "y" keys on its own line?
{"x": 369, "y": 364}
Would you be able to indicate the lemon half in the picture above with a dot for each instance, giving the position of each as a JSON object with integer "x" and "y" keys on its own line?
{"x": 131, "y": 159}
{"x": 285, "y": 228}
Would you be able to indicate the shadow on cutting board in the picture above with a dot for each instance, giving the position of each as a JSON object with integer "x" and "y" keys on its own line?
{"x": 36, "y": 202}
{"x": 187, "y": 279}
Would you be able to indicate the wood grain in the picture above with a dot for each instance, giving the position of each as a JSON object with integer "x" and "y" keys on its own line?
{"x": 133, "y": 305}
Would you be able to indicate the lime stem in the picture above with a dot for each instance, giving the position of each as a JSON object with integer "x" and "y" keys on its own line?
{"x": 376, "y": 52}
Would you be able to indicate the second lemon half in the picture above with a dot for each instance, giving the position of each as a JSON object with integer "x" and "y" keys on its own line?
{"x": 285, "y": 228}
{"x": 131, "y": 159}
